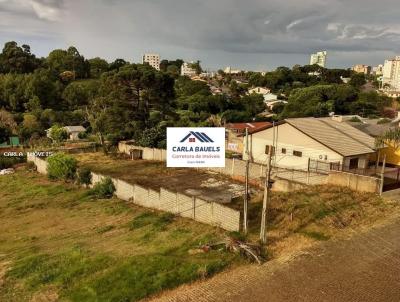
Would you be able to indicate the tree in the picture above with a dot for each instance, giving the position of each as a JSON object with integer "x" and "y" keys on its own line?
{"x": 97, "y": 67}
{"x": 78, "y": 94}
{"x": 7, "y": 125}
{"x": 389, "y": 138}
{"x": 196, "y": 66}
{"x": 61, "y": 166}
{"x": 15, "y": 59}
{"x": 117, "y": 64}
{"x": 60, "y": 60}
{"x": 153, "y": 138}
{"x": 7, "y": 121}
{"x": 84, "y": 176}
{"x": 357, "y": 80}
{"x": 58, "y": 134}
{"x": 173, "y": 71}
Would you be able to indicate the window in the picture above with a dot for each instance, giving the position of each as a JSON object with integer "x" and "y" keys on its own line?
{"x": 353, "y": 163}
{"x": 297, "y": 153}
{"x": 267, "y": 149}
{"x": 283, "y": 150}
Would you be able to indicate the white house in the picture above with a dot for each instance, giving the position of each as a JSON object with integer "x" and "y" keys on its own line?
{"x": 270, "y": 97}
{"x": 72, "y": 131}
{"x": 188, "y": 70}
{"x": 318, "y": 140}
{"x": 259, "y": 90}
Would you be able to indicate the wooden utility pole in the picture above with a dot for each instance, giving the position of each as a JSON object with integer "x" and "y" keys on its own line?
{"x": 382, "y": 175}
{"x": 246, "y": 189}
{"x": 263, "y": 237}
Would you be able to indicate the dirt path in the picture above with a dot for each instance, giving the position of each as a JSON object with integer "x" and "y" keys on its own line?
{"x": 363, "y": 268}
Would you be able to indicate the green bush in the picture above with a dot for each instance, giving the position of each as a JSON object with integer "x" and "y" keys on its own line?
{"x": 8, "y": 162}
{"x": 61, "y": 166}
{"x": 58, "y": 134}
{"x": 104, "y": 188}
{"x": 84, "y": 176}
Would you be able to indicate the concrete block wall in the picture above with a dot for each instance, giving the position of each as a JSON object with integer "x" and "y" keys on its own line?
{"x": 355, "y": 182}
{"x": 168, "y": 201}
{"x": 186, "y": 206}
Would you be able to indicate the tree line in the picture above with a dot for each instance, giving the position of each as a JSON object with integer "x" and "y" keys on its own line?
{"x": 122, "y": 100}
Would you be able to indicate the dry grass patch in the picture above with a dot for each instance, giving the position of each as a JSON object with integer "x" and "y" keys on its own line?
{"x": 315, "y": 214}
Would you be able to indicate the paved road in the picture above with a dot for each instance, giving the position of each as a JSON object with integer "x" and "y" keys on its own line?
{"x": 363, "y": 268}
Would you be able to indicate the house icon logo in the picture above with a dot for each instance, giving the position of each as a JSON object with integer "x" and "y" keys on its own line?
{"x": 200, "y": 136}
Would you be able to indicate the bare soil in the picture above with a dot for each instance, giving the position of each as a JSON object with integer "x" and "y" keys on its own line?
{"x": 153, "y": 174}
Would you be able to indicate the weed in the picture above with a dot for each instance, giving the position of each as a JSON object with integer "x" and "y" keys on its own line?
{"x": 104, "y": 229}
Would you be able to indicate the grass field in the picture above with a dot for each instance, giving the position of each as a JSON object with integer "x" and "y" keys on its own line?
{"x": 59, "y": 243}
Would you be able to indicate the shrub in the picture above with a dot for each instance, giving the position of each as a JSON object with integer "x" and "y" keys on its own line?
{"x": 104, "y": 188}
{"x": 8, "y": 162}
{"x": 383, "y": 121}
{"x": 83, "y": 135}
{"x": 61, "y": 166}
{"x": 58, "y": 134}
{"x": 355, "y": 119}
{"x": 84, "y": 176}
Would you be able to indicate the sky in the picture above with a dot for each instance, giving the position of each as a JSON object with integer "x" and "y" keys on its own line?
{"x": 245, "y": 34}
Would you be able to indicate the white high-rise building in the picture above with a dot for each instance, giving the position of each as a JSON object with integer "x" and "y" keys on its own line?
{"x": 187, "y": 69}
{"x": 152, "y": 59}
{"x": 319, "y": 58}
{"x": 378, "y": 70}
{"x": 391, "y": 74}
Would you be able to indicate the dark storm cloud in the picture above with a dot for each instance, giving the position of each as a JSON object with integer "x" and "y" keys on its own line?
{"x": 224, "y": 28}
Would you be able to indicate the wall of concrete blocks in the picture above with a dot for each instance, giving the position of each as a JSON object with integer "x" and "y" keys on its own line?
{"x": 148, "y": 153}
{"x": 164, "y": 200}
{"x": 355, "y": 182}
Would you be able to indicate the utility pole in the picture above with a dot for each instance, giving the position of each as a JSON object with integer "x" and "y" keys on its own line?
{"x": 382, "y": 175}
{"x": 263, "y": 234}
{"x": 246, "y": 189}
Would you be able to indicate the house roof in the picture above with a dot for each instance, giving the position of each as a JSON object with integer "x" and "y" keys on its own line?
{"x": 373, "y": 130}
{"x": 252, "y": 126}
{"x": 338, "y": 136}
{"x": 75, "y": 128}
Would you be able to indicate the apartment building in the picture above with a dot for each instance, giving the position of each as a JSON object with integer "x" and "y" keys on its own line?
{"x": 361, "y": 68}
{"x": 378, "y": 70}
{"x": 152, "y": 59}
{"x": 391, "y": 74}
{"x": 188, "y": 70}
{"x": 319, "y": 58}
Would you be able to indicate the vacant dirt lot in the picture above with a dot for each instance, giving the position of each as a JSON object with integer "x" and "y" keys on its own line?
{"x": 152, "y": 174}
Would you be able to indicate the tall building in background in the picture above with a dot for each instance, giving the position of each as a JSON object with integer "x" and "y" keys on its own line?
{"x": 391, "y": 74}
{"x": 188, "y": 70}
{"x": 152, "y": 59}
{"x": 360, "y": 68}
{"x": 378, "y": 70}
{"x": 319, "y": 58}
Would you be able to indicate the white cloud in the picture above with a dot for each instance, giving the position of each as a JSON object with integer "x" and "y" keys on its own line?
{"x": 294, "y": 23}
{"x": 45, "y": 11}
